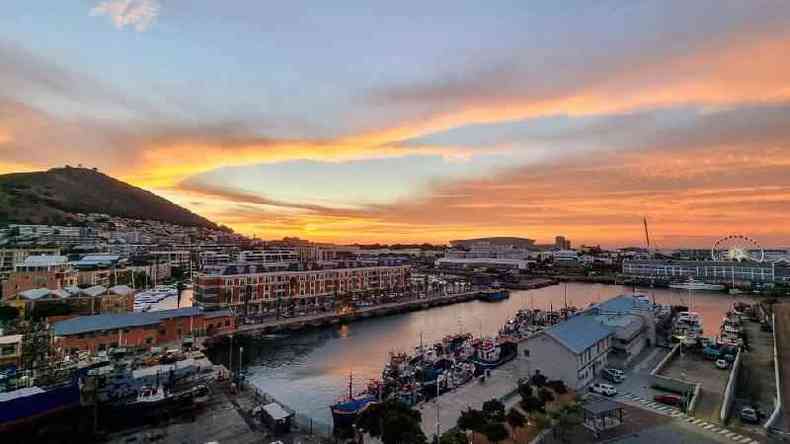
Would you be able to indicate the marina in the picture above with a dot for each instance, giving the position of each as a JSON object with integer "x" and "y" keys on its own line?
{"x": 309, "y": 370}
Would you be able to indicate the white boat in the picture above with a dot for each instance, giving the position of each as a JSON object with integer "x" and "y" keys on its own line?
{"x": 695, "y": 285}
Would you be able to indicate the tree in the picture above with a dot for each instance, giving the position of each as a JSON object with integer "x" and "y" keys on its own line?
{"x": 532, "y": 404}
{"x": 454, "y": 437}
{"x": 494, "y": 410}
{"x": 471, "y": 419}
{"x": 515, "y": 419}
{"x": 495, "y": 432}
{"x": 567, "y": 418}
{"x": 8, "y": 313}
{"x": 545, "y": 395}
{"x": 538, "y": 380}
{"x": 393, "y": 422}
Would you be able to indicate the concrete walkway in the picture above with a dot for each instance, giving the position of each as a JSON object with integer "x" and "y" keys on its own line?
{"x": 502, "y": 382}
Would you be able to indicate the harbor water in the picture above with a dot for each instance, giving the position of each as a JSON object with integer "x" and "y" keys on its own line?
{"x": 310, "y": 370}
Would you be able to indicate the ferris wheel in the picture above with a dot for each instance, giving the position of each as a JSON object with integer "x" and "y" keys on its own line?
{"x": 737, "y": 248}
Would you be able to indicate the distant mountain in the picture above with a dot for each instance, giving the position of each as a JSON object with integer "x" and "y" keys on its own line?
{"x": 518, "y": 242}
{"x": 51, "y": 197}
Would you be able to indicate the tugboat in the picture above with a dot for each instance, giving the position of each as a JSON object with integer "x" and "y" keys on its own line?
{"x": 345, "y": 411}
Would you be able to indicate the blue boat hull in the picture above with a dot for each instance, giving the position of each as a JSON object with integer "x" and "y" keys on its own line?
{"x": 345, "y": 413}
{"x": 27, "y": 408}
{"x": 494, "y": 296}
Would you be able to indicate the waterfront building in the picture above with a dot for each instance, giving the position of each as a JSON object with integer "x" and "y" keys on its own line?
{"x": 708, "y": 271}
{"x": 253, "y": 288}
{"x": 133, "y": 330}
{"x": 52, "y": 272}
{"x": 565, "y": 256}
{"x": 561, "y": 243}
{"x": 82, "y": 301}
{"x": 576, "y": 349}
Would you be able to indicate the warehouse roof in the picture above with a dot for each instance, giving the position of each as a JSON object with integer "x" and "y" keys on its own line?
{"x": 86, "y": 324}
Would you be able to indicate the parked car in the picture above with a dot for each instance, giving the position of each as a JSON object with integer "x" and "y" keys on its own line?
{"x": 603, "y": 389}
{"x": 722, "y": 364}
{"x": 711, "y": 353}
{"x": 675, "y": 401}
{"x": 616, "y": 371}
{"x": 750, "y": 415}
{"x": 611, "y": 376}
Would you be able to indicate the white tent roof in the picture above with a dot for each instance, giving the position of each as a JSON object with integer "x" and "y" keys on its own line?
{"x": 275, "y": 411}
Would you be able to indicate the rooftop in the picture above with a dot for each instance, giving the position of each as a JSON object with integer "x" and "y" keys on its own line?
{"x": 44, "y": 261}
{"x": 86, "y": 324}
{"x": 579, "y": 332}
{"x": 622, "y": 304}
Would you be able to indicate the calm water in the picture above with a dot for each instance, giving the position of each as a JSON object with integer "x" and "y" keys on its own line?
{"x": 309, "y": 371}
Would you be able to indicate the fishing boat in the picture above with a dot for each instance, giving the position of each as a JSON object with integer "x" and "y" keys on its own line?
{"x": 345, "y": 411}
{"x": 28, "y": 403}
{"x": 491, "y": 354}
{"x": 494, "y": 295}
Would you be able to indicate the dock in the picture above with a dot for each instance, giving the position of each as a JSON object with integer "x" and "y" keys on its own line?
{"x": 326, "y": 319}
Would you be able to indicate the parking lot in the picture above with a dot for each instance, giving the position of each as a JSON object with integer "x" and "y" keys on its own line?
{"x": 756, "y": 380}
{"x": 692, "y": 367}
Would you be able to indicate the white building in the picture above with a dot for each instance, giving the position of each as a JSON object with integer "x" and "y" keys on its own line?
{"x": 577, "y": 349}
{"x": 488, "y": 262}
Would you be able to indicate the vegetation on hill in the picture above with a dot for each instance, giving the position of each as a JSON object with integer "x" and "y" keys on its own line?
{"x": 54, "y": 196}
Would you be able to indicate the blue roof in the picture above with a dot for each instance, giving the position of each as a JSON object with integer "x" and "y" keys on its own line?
{"x": 579, "y": 332}
{"x": 622, "y": 304}
{"x": 86, "y": 324}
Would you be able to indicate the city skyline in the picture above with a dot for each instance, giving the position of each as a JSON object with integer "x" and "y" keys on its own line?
{"x": 417, "y": 123}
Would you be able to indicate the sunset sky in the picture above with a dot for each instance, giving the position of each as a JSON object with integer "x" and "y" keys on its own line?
{"x": 413, "y": 121}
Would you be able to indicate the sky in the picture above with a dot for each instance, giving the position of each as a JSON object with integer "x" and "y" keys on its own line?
{"x": 413, "y": 121}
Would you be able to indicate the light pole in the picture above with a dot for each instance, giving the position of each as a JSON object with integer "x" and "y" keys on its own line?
{"x": 230, "y": 356}
{"x": 241, "y": 352}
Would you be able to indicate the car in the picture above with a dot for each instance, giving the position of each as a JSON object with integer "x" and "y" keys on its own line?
{"x": 750, "y": 415}
{"x": 616, "y": 371}
{"x": 603, "y": 389}
{"x": 672, "y": 400}
{"x": 611, "y": 376}
{"x": 722, "y": 364}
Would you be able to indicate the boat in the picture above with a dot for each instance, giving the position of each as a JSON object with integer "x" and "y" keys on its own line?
{"x": 694, "y": 285}
{"x": 345, "y": 411}
{"x": 28, "y": 403}
{"x": 491, "y": 354}
{"x": 494, "y": 295}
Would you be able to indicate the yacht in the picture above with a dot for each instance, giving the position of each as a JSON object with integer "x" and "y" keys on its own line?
{"x": 694, "y": 285}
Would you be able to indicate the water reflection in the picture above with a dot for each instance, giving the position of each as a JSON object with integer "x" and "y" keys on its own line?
{"x": 310, "y": 370}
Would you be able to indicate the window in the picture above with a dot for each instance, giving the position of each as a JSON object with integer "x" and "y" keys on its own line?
{"x": 8, "y": 350}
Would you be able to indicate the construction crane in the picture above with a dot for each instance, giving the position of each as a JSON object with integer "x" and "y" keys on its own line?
{"x": 647, "y": 234}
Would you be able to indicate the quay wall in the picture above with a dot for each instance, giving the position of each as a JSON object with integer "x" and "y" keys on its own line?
{"x": 295, "y": 324}
{"x": 670, "y": 356}
{"x": 729, "y": 391}
{"x": 778, "y": 401}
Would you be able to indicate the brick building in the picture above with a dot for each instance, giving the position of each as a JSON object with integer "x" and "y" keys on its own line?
{"x": 249, "y": 288}
{"x": 52, "y": 272}
{"x": 133, "y": 330}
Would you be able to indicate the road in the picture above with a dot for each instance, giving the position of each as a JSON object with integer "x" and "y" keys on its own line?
{"x": 782, "y": 311}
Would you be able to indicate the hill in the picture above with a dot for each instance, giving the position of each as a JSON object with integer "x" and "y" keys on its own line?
{"x": 51, "y": 197}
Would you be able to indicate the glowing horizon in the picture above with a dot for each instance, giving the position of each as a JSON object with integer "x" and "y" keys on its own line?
{"x": 417, "y": 123}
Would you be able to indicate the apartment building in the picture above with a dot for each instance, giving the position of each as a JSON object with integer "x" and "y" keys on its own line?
{"x": 252, "y": 288}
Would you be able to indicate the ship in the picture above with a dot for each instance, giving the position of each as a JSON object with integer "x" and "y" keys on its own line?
{"x": 694, "y": 285}
{"x": 494, "y": 295}
{"x": 29, "y": 403}
{"x": 345, "y": 411}
{"x": 491, "y": 354}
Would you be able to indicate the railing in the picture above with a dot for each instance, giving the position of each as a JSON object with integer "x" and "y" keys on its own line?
{"x": 303, "y": 422}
